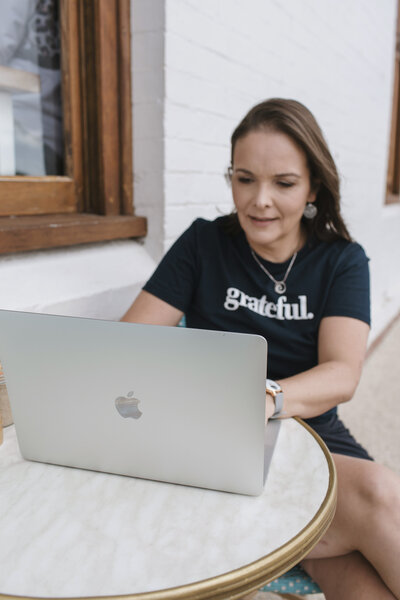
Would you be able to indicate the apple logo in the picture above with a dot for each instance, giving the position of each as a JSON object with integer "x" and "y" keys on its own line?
{"x": 127, "y": 406}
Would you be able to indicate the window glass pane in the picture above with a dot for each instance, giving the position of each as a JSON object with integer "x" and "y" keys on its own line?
{"x": 31, "y": 134}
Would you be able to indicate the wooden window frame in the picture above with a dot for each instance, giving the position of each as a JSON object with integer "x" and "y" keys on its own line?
{"x": 94, "y": 201}
{"x": 393, "y": 172}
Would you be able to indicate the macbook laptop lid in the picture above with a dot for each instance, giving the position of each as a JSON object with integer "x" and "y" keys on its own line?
{"x": 165, "y": 403}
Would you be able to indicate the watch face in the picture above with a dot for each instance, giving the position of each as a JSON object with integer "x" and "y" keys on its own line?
{"x": 272, "y": 385}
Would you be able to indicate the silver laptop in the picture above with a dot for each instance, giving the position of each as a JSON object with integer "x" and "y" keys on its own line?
{"x": 171, "y": 404}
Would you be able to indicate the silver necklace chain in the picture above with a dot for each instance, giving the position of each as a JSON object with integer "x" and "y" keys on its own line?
{"x": 280, "y": 286}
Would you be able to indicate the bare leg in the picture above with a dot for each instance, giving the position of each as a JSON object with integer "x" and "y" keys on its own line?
{"x": 367, "y": 520}
{"x": 348, "y": 577}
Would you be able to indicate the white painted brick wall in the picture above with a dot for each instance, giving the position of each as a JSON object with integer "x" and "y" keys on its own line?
{"x": 148, "y": 21}
{"x": 198, "y": 66}
{"x": 336, "y": 56}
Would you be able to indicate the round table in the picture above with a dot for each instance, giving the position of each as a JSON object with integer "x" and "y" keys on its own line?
{"x": 72, "y": 533}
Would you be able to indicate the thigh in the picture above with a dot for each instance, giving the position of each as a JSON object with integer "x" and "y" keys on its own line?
{"x": 367, "y": 520}
{"x": 350, "y": 576}
{"x": 362, "y": 485}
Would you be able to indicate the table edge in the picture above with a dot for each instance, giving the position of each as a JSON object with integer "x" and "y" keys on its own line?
{"x": 238, "y": 582}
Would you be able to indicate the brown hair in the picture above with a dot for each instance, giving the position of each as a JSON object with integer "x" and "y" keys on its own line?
{"x": 296, "y": 121}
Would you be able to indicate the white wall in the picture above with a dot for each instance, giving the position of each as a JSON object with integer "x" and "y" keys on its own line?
{"x": 197, "y": 68}
{"x": 148, "y": 92}
{"x": 335, "y": 56}
{"x": 96, "y": 280}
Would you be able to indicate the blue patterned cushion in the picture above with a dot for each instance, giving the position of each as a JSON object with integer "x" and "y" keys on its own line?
{"x": 295, "y": 581}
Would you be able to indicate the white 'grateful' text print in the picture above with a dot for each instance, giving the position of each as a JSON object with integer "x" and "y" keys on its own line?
{"x": 281, "y": 310}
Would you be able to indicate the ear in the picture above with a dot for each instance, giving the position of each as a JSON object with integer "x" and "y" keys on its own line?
{"x": 312, "y": 197}
{"x": 315, "y": 185}
{"x": 228, "y": 175}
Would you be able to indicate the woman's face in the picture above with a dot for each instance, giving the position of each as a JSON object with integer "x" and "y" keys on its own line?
{"x": 271, "y": 186}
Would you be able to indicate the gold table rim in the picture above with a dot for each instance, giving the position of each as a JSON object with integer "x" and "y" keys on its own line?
{"x": 236, "y": 583}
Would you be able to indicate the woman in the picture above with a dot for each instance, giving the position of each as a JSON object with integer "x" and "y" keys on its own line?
{"x": 284, "y": 266}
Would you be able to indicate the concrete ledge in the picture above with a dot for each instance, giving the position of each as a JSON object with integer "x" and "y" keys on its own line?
{"x": 96, "y": 280}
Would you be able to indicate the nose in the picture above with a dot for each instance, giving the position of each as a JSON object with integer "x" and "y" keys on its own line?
{"x": 263, "y": 196}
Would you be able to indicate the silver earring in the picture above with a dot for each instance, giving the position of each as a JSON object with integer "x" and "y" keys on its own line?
{"x": 310, "y": 210}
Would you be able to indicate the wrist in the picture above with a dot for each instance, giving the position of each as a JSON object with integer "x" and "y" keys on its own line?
{"x": 269, "y": 406}
{"x": 274, "y": 390}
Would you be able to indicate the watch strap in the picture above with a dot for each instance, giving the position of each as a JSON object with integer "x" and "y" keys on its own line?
{"x": 275, "y": 390}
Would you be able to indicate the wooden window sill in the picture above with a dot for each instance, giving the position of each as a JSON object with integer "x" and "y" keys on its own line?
{"x": 392, "y": 198}
{"x": 19, "y": 234}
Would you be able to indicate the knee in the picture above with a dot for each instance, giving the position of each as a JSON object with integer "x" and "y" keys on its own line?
{"x": 379, "y": 491}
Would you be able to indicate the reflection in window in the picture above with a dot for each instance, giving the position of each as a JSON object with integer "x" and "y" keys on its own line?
{"x": 31, "y": 135}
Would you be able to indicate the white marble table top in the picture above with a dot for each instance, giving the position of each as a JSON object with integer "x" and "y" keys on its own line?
{"x": 72, "y": 533}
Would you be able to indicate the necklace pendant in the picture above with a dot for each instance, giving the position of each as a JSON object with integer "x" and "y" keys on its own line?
{"x": 280, "y": 287}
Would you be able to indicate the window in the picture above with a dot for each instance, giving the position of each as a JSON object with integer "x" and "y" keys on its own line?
{"x": 393, "y": 174}
{"x": 66, "y": 124}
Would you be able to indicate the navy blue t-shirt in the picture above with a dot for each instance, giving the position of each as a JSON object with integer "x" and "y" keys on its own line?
{"x": 212, "y": 277}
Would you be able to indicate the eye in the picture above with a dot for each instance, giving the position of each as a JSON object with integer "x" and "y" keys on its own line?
{"x": 244, "y": 180}
{"x": 285, "y": 184}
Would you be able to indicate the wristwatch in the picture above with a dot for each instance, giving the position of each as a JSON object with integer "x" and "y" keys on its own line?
{"x": 274, "y": 389}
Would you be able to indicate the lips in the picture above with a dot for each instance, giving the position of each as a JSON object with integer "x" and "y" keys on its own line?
{"x": 262, "y": 220}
